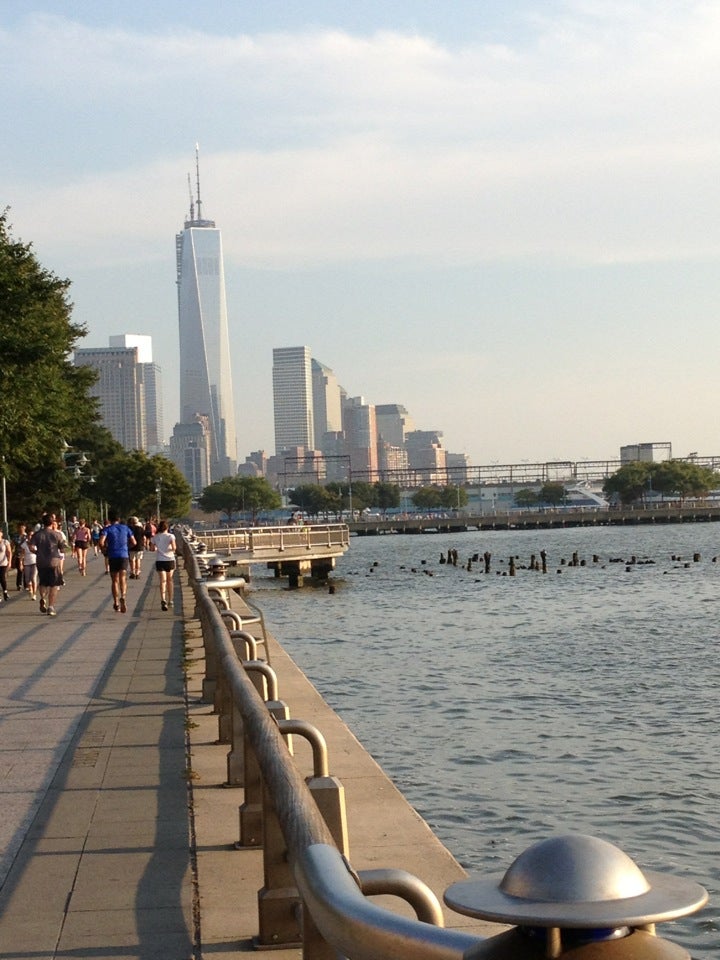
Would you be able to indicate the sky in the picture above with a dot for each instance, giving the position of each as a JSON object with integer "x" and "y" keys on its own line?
{"x": 502, "y": 215}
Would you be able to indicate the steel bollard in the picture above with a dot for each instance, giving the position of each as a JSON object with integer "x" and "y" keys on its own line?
{"x": 579, "y": 897}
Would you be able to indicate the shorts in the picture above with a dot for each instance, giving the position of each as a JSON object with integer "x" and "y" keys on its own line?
{"x": 167, "y": 565}
{"x": 49, "y": 576}
{"x": 81, "y": 544}
{"x": 118, "y": 564}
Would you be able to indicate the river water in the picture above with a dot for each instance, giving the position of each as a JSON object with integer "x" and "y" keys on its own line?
{"x": 509, "y": 709}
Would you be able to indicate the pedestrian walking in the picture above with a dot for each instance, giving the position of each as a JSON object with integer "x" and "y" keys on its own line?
{"x": 163, "y": 542}
{"x": 30, "y": 576}
{"x": 5, "y": 562}
{"x": 17, "y": 557}
{"x": 116, "y": 541}
{"x": 49, "y": 543}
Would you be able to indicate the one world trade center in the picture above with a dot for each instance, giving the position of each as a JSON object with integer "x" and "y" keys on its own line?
{"x": 206, "y": 395}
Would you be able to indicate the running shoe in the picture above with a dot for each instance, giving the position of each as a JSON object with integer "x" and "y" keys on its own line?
{"x": 43, "y": 605}
{"x": 116, "y": 607}
{"x": 123, "y": 605}
{"x": 163, "y": 605}
{"x": 51, "y": 612}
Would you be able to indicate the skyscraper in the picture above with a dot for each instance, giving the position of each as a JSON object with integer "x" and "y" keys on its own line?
{"x": 293, "y": 398}
{"x": 152, "y": 383}
{"x": 205, "y": 377}
{"x": 120, "y": 390}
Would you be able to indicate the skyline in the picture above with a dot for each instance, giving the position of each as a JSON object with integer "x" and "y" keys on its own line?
{"x": 502, "y": 219}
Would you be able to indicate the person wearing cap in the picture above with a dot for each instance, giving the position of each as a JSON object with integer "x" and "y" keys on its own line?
{"x": 136, "y": 552}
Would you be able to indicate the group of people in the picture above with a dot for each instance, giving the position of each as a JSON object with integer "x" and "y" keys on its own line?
{"x": 38, "y": 556}
{"x": 123, "y": 545}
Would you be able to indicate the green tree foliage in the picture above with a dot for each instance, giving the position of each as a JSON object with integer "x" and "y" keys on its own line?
{"x": 45, "y": 398}
{"x": 526, "y": 498}
{"x": 672, "y": 478}
{"x": 234, "y": 495}
{"x": 552, "y": 493}
{"x": 128, "y": 483}
{"x": 427, "y": 498}
{"x": 314, "y": 499}
{"x": 629, "y": 483}
{"x": 387, "y": 496}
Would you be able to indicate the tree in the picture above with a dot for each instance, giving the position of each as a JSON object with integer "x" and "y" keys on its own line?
{"x": 314, "y": 499}
{"x": 427, "y": 498}
{"x": 45, "y": 398}
{"x": 526, "y": 498}
{"x": 552, "y": 493}
{"x": 629, "y": 483}
{"x": 129, "y": 483}
{"x": 452, "y": 498}
{"x": 239, "y": 494}
{"x": 387, "y": 495}
{"x": 681, "y": 479}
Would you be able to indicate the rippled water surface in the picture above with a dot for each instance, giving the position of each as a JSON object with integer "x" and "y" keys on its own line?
{"x": 508, "y": 709}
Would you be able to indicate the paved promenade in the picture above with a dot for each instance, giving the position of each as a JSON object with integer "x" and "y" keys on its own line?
{"x": 110, "y": 850}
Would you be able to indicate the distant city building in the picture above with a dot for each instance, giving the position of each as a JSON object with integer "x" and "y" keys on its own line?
{"x": 190, "y": 447}
{"x": 327, "y": 402}
{"x": 293, "y": 398}
{"x": 120, "y": 389}
{"x": 152, "y": 380}
{"x": 361, "y": 439}
{"x": 426, "y": 453}
{"x": 393, "y": 423}
{"x": 646, "y": 452}
{"x": 255, "y": 465}
{"x": 205, "y": 376}
{"x": 458, "y": 467}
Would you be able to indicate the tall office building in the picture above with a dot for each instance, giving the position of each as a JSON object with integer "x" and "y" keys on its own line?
{"x": 361, "y": 439}
{"x": 152, "y": 381}
{"x": 205, "y": 377}
{"x": 293, "y": 398}
{"x": 121, "y": 391}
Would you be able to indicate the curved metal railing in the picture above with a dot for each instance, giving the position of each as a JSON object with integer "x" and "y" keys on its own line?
{"x": 341, "y": 918}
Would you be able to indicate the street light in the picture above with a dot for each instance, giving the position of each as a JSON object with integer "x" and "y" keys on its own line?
{"x": 158, "y": 496}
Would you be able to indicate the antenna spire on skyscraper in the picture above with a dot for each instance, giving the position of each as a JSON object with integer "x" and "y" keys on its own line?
{"x": 192, "y": 200}
{"x": 197, "y": 177}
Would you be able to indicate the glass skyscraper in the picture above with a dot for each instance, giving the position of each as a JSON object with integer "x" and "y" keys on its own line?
{"x": 205, "y": 377}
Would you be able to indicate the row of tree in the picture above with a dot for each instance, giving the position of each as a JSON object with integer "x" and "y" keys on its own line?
{"x": 677, "y": 479}
{"x": 48, "y": 417}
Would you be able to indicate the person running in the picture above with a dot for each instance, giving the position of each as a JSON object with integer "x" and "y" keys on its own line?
{"x": 5, "y": 562}
{"x": 49, "y": 543}
{"x": 82, "y": 542}
{"x": 95, "y": 532}
{"x": 136, "y": 553}
{"x": 117, "y": 539}
{"x": 164, "y": 543}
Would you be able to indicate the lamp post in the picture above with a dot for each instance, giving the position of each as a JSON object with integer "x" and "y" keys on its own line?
{"x": 6, "y": 531}
{"x": 158, "y": 497}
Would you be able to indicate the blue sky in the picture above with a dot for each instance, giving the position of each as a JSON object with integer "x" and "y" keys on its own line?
{"x": 503, "y": 215}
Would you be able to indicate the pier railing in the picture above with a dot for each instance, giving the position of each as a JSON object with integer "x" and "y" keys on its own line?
{"x": 336, "y": 916}
{"x": 248, "y": 543}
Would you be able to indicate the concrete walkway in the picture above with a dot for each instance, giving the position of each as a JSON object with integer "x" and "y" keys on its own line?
{"x": 95, "y": 822}
{"x": 118, "y": 834}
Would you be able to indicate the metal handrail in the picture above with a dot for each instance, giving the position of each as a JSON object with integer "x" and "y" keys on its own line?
{"x": 330, "y": 890}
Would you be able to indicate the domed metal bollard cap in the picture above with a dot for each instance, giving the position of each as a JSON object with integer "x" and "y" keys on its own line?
{"x": 576, "y": 881}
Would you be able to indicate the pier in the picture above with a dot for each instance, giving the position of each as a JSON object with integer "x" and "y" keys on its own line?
{"x": 292, "y": 551}
{"x": 547, "y": 519}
